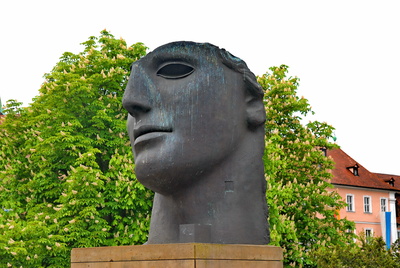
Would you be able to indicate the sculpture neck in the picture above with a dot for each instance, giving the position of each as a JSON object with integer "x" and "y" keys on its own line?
{"x": 228, "y": 200}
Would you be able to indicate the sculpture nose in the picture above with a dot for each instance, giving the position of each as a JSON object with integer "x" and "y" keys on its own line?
{"x": 137, "y": 100}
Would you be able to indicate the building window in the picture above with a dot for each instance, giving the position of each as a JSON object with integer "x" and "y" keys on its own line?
{"x": 368, "y": 232}
{"x": 367, "y": 204}
{"x": 383, "y": 204}
{"x": 350, "y": 202}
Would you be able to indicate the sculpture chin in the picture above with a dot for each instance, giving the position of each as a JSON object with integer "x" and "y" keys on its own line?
{"x": 168, "y": 176}
{"x": 160, "y": 181}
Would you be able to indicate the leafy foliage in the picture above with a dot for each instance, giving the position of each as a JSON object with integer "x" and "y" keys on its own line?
{"x": 302, "y": 209}
{"x": 66, "y": 168}
{"x": 370, "y": 253}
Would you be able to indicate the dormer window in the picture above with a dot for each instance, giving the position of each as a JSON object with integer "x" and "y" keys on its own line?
{"x": 390, "y": 181}
{"x": 323, "y": 150}
{"x": 354, "y": 170}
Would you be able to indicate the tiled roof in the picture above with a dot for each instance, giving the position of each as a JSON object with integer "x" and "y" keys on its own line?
{"x": 390, "y": 177}
{"x": 343, "y": 175}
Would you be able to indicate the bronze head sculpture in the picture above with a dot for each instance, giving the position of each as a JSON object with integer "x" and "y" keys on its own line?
{"x": 196, "y": 125}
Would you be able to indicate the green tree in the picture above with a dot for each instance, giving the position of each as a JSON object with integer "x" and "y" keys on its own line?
{"x": 370, "y": 252}
{"x": 302, "y": 206}
{"x": 66, "y": 170}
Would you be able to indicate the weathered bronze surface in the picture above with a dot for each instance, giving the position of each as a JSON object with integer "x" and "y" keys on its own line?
{"x": 195, "y": 123}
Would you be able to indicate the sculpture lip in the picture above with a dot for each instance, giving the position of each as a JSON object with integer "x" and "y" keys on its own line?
{"x": 145, "y": 129}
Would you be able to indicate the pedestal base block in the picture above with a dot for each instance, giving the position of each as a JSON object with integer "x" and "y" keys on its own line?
{"x": 191, "y": 255}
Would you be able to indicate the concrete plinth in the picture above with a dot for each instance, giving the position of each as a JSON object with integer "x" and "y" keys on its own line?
{"x": 191, "y": 255}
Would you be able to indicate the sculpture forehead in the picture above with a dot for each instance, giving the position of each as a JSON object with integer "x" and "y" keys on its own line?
{"x": 184, "y": 47}
{"x": 181, "y": 51}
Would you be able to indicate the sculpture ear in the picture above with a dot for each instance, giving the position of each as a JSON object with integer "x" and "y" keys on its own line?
{"x": 255, "y": 112}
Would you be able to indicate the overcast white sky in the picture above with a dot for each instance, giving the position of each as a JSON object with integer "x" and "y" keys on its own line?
{"x": 346, "y": 53}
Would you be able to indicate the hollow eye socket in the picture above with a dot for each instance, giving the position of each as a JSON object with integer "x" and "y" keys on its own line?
{"x": 175, "y": 71}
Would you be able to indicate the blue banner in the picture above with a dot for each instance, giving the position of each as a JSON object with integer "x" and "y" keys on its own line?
{"x": 388, "y": 228}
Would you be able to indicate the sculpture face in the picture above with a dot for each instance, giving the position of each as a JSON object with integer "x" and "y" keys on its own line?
{"x": 196, "y": 127}
{"x": 181, "y": 100}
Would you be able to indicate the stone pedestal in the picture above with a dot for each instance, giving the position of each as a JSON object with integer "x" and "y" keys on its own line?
{"x": 191, "y": 255}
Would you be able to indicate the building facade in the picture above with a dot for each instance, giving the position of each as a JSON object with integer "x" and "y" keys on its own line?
{"x": 372, "y": 199}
